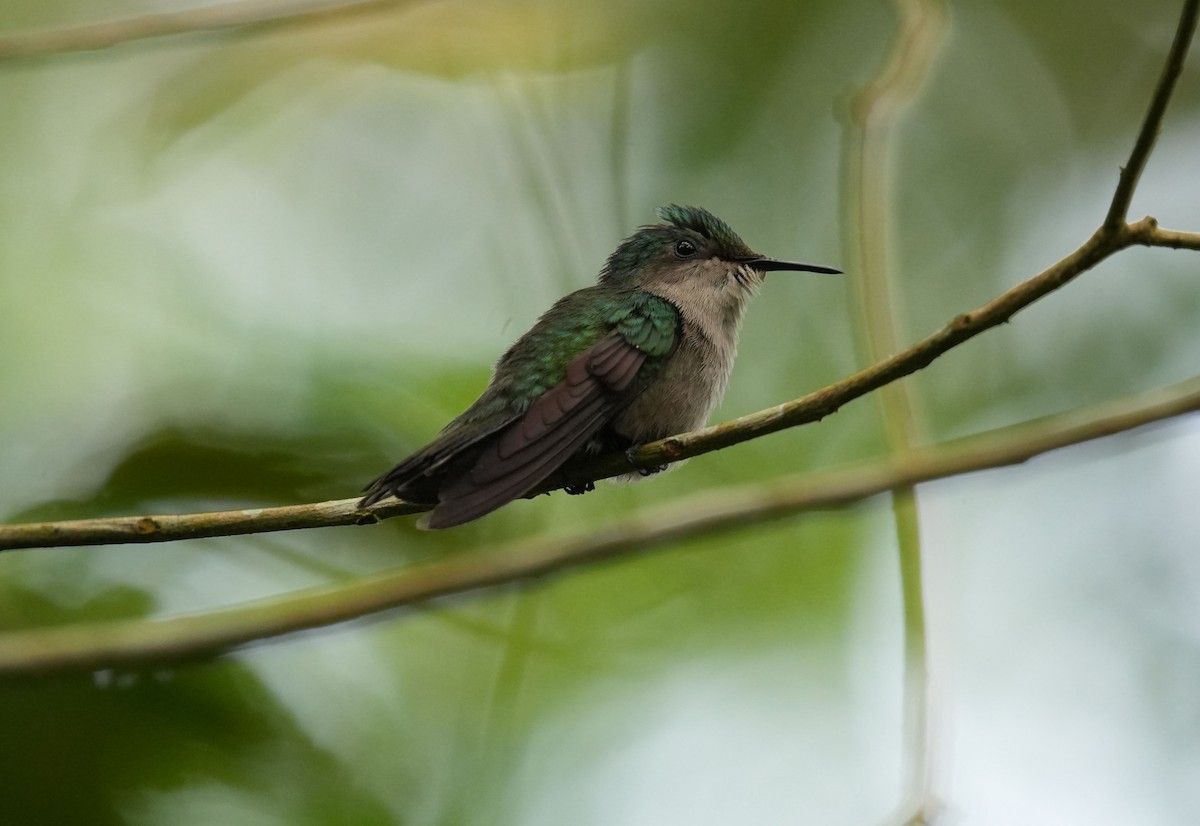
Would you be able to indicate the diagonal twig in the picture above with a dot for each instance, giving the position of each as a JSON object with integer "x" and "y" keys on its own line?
{"x": 242, "y": 14}
{"x": 1131, "y": 173}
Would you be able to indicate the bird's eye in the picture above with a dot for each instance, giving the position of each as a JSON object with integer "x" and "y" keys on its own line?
{"x": 685, "y": 249}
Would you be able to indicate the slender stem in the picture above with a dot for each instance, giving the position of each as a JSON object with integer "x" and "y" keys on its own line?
{"x": 871, "y": 121}
{"x": 1131, "y": 173}
{"x": 619, "y": 139}
{"x": 89, "y": 646}
{"x": 172, "y": 527}
{"x": 1147, "y": 233}
{"x": 919, "y": 712}
{"x": 245, "y": 14}
{"x": 502, "y": 714}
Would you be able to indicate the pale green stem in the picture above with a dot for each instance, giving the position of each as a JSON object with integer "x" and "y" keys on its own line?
{"x": 869, "y": 205}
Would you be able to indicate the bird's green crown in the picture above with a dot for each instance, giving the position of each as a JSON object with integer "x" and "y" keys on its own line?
{"x": 704, "y": 222}
{"x": 694, "y": 223}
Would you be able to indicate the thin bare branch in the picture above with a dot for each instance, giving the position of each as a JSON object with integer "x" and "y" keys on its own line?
{"x": 245, "y": 14}
{"x": 1148, "y": 233}
{"x": 124, "y": 643}
{"x": 1131, "y": 173}
{"x": 171, "y": 527}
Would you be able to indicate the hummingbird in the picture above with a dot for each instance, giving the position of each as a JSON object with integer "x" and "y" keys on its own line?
{"x": 643, "y": 354}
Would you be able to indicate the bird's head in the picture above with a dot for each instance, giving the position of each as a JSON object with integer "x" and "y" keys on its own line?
{"x": 693, "y": 248}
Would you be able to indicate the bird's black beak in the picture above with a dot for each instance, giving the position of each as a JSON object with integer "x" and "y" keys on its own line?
{"x": 764, "y": 264}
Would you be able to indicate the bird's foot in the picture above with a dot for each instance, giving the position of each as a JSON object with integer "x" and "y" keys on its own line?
{"x": 631, "y": 457}
{"x": 578, "y": 489}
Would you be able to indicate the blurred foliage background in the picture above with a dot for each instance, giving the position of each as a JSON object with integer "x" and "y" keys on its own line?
{"x": 255, "y": 267}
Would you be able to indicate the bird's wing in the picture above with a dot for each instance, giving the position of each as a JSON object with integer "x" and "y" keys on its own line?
{"x": 597, "y": 383}
{"x": 552, "y": 430}
{"x": 449, "y": 444}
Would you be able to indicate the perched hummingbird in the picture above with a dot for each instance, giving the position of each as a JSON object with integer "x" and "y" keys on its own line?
{"x": 642, "y": 355}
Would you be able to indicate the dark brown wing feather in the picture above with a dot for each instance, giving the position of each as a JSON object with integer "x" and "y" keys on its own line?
{"x": 408, "y": 478}
{"x": 551, "y": 431}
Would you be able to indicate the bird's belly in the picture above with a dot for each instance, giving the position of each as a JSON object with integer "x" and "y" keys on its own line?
{"x": 678, "y": 400}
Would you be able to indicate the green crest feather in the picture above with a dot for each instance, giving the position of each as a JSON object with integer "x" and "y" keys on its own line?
{"x": 644, "y": 244}
{"x": 704, "y": 222}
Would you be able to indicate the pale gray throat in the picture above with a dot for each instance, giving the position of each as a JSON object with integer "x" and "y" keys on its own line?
{"x": 713, "y": 307}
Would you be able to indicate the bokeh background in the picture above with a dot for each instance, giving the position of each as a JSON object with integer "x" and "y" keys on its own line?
{"x": 255, "y": 267}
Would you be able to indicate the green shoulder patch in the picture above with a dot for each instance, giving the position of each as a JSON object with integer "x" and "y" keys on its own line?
{"x": 648, "y": 322}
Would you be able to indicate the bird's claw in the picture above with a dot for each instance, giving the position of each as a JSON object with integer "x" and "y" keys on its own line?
{"x": 631, "y": 457}
{"x": 580, "y": 488}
